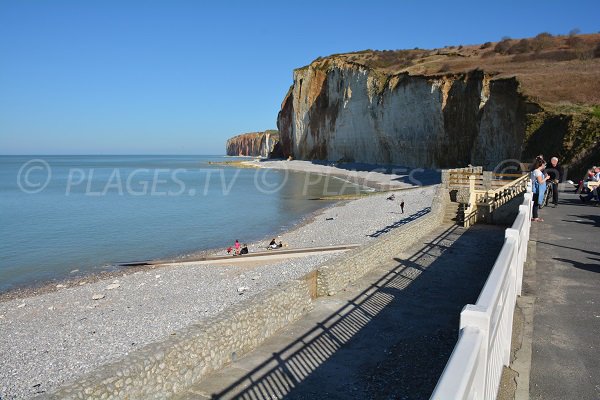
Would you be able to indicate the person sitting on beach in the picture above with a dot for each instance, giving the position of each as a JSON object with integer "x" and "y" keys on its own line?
{"x": 272, "y": 245}
{"x": 244, "y": 249}
{"x": 229, "y": 249}
{"x": 280, "y": 244}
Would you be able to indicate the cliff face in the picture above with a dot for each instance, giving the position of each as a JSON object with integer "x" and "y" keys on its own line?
{"x": 341, "y": 110}
{"x": 255, "y": 144}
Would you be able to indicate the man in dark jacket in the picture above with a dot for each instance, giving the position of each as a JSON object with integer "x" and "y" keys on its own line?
{"x": 555, "y": 170}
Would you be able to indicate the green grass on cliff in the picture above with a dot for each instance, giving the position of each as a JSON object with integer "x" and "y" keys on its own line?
{"x": 569, "y": 131}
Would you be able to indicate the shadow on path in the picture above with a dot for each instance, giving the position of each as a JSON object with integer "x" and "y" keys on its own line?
{"x": 595, "y": 253}
{"x": 593, "y": 267}
{"x": 390, "y": 336}
{"x": 585, "y": 219}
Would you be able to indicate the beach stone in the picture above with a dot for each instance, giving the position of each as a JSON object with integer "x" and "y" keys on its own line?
{"x": 98, "y": 296}
{"x": 21, "y": 305}
{"x": 51, "y": 308}
{"x": 113, "y": 286}
{"x": 242, "y": 289}
{"x": 59, "y": 286}
{"x": 74, "y": 271}
{"x": 82, "y": 283}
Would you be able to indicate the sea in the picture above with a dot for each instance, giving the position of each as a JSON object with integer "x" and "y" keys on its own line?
{"x": 66, "y": 215}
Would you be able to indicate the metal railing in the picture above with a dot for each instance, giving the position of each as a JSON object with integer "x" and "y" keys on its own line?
{"x": 475, "y": 367}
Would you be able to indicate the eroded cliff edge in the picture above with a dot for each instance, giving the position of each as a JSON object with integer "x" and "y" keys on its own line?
{"x": 338, "y": 109}
{"x": 254, "y": 144}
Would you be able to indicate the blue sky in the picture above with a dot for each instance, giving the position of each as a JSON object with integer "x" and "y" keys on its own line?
{"x": 180, "y": 77}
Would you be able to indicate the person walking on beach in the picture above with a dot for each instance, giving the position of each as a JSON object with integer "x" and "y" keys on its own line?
{"x": 237, "y": 246}
{"x": 402, "y": 206}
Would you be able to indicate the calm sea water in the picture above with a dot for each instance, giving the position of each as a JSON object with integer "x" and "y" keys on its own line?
{"x": 60, "y": 213}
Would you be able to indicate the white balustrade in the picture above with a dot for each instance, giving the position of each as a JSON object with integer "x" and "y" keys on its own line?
{"x": 475, "y": 367}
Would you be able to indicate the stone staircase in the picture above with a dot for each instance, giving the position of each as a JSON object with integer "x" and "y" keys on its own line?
{"x": 454, "y": 213}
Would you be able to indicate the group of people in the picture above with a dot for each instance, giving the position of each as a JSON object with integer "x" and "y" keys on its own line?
{"x": 237, "y": 249}
{"x": 547, "y": 177}
{"x": 541, "y": 177}
{"x": 274, "y": 245}
{"x": 589, "y": 186}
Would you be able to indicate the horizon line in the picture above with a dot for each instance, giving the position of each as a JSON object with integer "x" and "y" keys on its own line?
{"x": 108, "y": 154}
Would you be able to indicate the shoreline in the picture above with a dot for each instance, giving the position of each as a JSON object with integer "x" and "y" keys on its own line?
{"x": 51, "y": 338}
{"x": 120, "y": 270}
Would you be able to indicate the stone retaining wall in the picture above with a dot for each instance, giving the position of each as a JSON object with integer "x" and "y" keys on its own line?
{"x": 347, "y": 269}
{"x": 159, "y": 370}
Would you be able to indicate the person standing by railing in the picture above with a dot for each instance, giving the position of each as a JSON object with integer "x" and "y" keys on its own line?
{"x": 556, "y": 173}
{"x": 538, "y": 183}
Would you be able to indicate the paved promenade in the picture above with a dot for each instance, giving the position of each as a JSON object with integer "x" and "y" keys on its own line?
{"x": 388, "y": 336}
{"x": 564, "y": 284}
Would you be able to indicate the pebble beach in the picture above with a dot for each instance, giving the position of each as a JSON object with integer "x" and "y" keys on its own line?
{"x": 57, "y": 336}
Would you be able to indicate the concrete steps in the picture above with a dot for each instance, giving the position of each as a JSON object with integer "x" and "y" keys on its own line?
{"x": 454, "y": 213}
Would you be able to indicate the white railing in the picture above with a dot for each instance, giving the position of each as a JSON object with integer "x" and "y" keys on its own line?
{"x": 483, "y": 347}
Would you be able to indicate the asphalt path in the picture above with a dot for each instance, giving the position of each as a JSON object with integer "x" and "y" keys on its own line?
{"x": 565, "y": 361}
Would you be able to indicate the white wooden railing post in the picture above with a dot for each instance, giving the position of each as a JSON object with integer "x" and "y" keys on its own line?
{"x": 475, "y": 317}
{"x": 512, "y": 238}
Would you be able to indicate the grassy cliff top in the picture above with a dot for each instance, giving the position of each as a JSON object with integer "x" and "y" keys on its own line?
{"x": 272, "y": 132}
{"x": 557, "y": 70}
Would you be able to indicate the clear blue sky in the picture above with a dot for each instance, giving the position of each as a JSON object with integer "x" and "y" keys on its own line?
{"x": 180, "y": 77}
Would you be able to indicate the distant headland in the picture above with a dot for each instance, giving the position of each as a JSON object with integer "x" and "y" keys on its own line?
{"x": 253, "y": 144}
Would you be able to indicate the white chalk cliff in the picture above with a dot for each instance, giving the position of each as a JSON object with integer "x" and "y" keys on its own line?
{"x": 339, "y": 110}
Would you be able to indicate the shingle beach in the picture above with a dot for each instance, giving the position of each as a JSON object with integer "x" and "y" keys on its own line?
{"x": 54, "y": 337}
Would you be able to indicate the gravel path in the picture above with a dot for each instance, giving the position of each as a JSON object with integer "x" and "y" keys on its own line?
{"x": 54, "y": 337}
